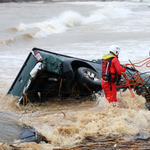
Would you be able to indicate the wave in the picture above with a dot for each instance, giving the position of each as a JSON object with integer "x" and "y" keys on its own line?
{"x": 5, "y": 41}
{"x": 69, "y": 19}
{"x": 110, "y": 11}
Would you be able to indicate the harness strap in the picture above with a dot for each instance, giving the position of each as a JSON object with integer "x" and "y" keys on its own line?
{"x": 107, "y": 74}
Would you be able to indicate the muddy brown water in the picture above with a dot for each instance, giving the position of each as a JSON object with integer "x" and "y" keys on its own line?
{"x": 79, "y": 29}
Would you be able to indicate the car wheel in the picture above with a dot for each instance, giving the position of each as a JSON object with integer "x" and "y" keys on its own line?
{"x": 89, "y": 78}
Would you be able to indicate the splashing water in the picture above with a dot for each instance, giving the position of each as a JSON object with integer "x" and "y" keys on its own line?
{"x": 55, "y": 25}
{"x": 64, "y": 124}
{"x": 90, "y": 33}
{"x": 70, "y": 19}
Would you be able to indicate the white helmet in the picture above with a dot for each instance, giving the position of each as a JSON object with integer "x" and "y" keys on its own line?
{"x": 115, "y": 49}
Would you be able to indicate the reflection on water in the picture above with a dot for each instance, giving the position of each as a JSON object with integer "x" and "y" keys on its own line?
{"x": 9, "y": 128}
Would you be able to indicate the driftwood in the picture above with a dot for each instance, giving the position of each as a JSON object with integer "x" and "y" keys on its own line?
{"x": 114, "y": 142}
{"x": 63, "y": 114}
{"x": 100, "y": 143}
{"x": 2, "y": 144}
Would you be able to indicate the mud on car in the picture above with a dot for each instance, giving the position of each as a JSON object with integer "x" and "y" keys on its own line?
{"x": 51, "y": 76}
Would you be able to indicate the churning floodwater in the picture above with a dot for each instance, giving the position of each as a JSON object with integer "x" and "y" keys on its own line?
{"x": 80, "y": 29}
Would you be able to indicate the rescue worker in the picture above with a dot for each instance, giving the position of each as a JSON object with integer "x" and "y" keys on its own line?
{"x": 111, "y": 72}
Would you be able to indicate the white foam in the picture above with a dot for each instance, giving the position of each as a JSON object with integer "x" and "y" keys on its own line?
{"x": 110, "y": 11}
{"x": 55, "y": 25}
{"x": 69, "y": 19}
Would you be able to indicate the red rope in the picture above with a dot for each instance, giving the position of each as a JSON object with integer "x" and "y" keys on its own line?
{"x": 136, "y": 79}
{"x": 128, "y": 84}
{"x": 144, "y": 62}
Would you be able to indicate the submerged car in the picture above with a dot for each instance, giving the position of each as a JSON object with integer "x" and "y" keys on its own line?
{"x": 51, "y": 76}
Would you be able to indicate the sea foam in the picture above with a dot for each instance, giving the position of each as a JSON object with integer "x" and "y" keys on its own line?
{"x": 70, "y": 19}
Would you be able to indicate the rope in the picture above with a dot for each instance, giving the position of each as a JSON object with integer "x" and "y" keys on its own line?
{"x": 128, "y": 84}
{"x": 144, "y": 62}
{"x": 136, "y": 79}
{"x": 140, "y": 76}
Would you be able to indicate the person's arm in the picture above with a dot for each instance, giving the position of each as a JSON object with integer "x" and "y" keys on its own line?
{"x": 120, "y": 70}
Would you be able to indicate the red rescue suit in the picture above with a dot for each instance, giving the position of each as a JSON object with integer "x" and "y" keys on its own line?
{"x": 108, "y": 84}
